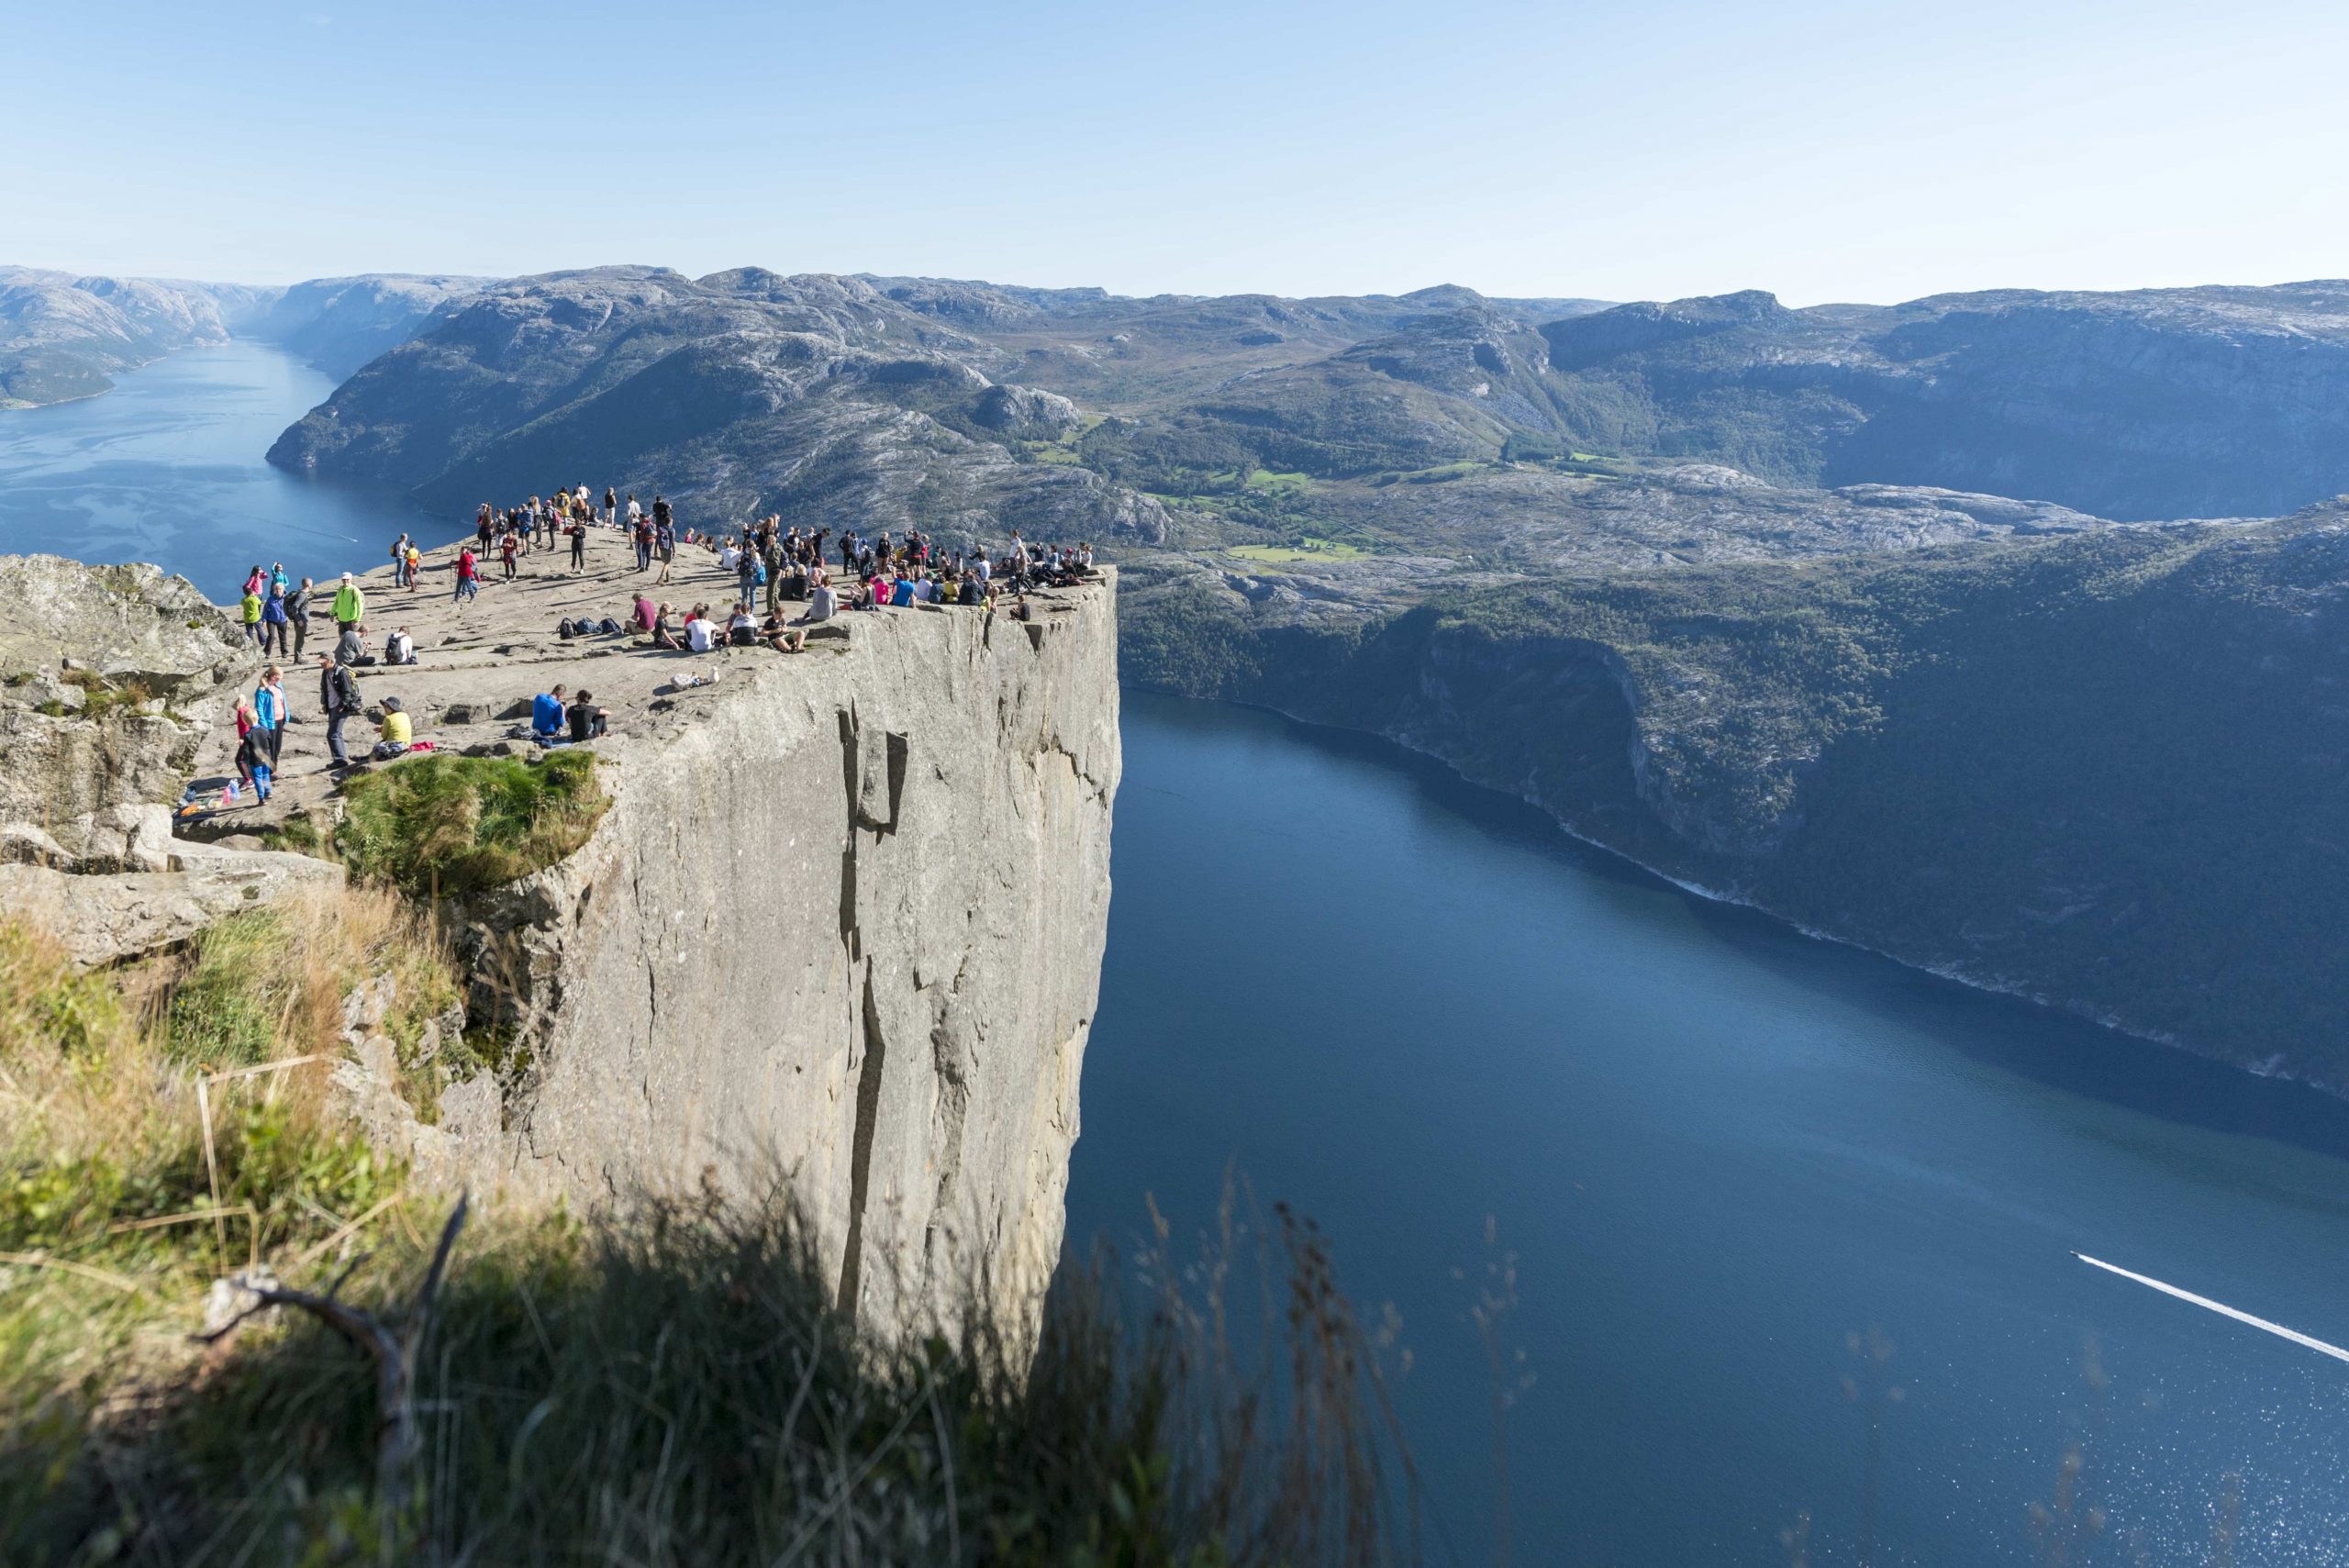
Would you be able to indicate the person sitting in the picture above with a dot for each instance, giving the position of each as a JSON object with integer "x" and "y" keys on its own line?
{"x": 822, "y": 602}
{"x": 588, "y": 721}
{"x": 399, "y": 648}
{"x": 547, "y": 717}
{"x": 778, "y": 633}
{"x": 350, "y": 649}
{"x": 397, "y": 733}
{"x": 643, "y": 617}
{"x": 701, "y": 635}
{"x": 901, "y": 592}
{"x": 665, "y": 630}
{"x": 741, "y": 630}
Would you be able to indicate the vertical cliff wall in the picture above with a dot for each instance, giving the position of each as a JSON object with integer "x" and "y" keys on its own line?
{"x": 844, "y": 917}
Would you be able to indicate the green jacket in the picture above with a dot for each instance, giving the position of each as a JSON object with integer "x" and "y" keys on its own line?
{"x": 250, "y": 607}
{"x": 350, "y": 604}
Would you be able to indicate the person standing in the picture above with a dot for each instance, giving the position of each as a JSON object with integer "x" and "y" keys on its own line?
{"x": 578, "y": 547}
{"x": 611, "y": 505}
{"x": 248, "y": 614}
{"x": 644, "y": 531}
{"x": 273, "y": 621}
{"x": 664, "y": 541}
{"x": 350, "y": 604}
{"x": 399, "y": 562}
{"x": 269, "y": 714}
{"x": 297, "y": 615}
{"x": 338, "y": 699}
{"x": 507, "y": 548}
{"x": 414, "y": 563}
{"x": 468, "y": 575}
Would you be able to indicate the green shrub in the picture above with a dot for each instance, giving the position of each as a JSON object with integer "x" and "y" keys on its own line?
{"x": 446, "y": 825}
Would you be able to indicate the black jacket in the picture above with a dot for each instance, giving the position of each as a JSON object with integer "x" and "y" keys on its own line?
{"x": 339, "y": 691}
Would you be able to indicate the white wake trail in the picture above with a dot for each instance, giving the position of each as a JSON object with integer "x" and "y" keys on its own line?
{"x": 2221, "y": 1308}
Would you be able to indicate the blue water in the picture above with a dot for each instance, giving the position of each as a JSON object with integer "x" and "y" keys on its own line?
{"x": 1715, "y": 1147}
{"x": 167, "y": 467}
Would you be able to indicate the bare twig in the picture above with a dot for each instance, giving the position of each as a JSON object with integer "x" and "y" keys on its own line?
{"x": 36, "y": 1261}
{"x": 394, "y": 1355}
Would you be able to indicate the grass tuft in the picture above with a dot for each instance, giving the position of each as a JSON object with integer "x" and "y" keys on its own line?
{"x": 448, "y": 825}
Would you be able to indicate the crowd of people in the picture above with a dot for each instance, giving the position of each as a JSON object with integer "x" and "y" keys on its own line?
{"x": 790, "y": 569}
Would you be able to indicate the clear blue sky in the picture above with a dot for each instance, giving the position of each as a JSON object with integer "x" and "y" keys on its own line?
{"x": 1820, "y": 149}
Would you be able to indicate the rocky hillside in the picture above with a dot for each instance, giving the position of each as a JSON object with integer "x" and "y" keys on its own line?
{"x": 339, "y": 324}
{"x": 62, "y": 337}
{"x": 821, "y": 398}
{"x": 2160, "y": 404}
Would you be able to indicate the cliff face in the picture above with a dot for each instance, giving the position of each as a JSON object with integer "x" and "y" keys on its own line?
{"x": 845, "y": 917}
{"x": 2101, "y": 771}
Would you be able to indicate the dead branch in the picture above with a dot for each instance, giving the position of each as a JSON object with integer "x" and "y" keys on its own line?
{"x": 394, "y": 1354}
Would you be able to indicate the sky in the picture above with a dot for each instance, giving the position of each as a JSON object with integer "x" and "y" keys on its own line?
{"x": 1823, "y": 150}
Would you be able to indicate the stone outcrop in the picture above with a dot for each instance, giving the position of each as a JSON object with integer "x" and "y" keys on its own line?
{"x": 844, "y": 917}
{"x": 110, "y": 677}
{"x": 106, "y": 917}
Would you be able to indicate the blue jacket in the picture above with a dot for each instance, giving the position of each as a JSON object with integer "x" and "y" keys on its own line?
{"x": 269, "y": 709}
{"x": 546, "y": 713}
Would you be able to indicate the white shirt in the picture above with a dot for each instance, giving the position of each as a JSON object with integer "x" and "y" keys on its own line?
{"x": 634, "y": 511}
{"x": 728, "y": 557}
{"x": 700, "y": 634}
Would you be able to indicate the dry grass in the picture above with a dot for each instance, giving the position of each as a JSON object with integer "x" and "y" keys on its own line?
{"x": 116, "y": 1211}
{"x": 672, "y": 1385}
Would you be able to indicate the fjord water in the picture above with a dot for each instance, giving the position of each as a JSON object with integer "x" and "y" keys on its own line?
{"x": 1716, "y": 1148}
{"x": 168, "y": 467}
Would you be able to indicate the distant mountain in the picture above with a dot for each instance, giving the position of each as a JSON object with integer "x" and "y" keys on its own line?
{"x": 822, "y": 398}
{"x": 339, "y": 324}
{"x": 2158, "y": 404}
{"x": 64, "y": 336}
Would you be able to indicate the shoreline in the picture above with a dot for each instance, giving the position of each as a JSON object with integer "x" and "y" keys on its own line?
{"x": 2108, "y": 1022}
